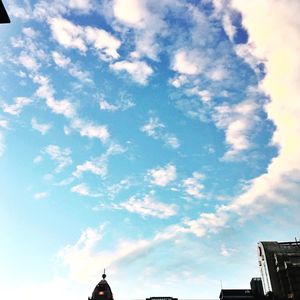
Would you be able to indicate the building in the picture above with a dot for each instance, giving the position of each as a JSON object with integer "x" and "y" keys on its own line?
{"x": 4, "y": 18}
{"x": 255, "y": 293}
{"x": 161, "y": 298}
{"x": 280, "y": 268}
{"x": 102, "y": 290}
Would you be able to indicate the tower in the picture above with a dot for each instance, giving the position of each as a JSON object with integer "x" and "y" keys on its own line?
{"x": 102, "y": 290}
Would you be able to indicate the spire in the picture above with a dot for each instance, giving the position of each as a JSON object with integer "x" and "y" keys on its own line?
{"x": 104, "y": 275}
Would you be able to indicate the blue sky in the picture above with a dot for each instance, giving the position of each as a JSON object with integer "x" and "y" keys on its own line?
{"x": 158, "y": 140}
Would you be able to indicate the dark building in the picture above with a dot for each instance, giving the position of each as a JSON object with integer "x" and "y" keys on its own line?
{"x": 161, "y": 298}
{"x": 280, "y": 268}
{"x": 3, "y": 14}
{"x": 102, "y": 291}
{"x": 255, "y": 293}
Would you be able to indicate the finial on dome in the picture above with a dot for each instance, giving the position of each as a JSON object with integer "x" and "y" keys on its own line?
{"x": 104, "y": 275}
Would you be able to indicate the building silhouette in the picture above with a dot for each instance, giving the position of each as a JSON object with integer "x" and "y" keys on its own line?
{"x": 280, "y": 268}
{"x": 255, "y": 293}
{"x": 4, "y": 18}
{"x": 102, "y": 290}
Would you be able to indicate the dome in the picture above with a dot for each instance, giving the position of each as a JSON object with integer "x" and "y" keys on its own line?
{"x": 102, "y": 290}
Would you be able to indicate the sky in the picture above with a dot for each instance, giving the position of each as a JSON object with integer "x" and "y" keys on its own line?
{"x": 156, "y": 139}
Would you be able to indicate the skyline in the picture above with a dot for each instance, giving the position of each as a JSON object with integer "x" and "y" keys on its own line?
{"x": 157, "y": 140}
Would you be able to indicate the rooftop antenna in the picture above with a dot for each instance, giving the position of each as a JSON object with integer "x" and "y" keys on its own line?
{"x": 104, "y": 275}
{"x": 221, "y": 284}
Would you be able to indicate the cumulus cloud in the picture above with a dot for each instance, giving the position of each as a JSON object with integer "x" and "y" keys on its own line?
{"x": 193, "y": 186}
{"x": 279, "y": 184}
{"x": 148, "y": 206}
{"x": 156, "y": 129}
{"x": 188, "y": 62}
{"x": 60, "y": 155}
{"x": 17, "y": 107}
{"x": 238, "y": 122}
{"x": 139, "y": 70}
{"x": 43, "y": 128}
{"x": 163, "y": 176}
{"x": 131, "y": 12}
{"x": 67, "y": 34}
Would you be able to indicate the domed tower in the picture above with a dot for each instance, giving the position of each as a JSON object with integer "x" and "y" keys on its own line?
{"x": 102, "y": 290}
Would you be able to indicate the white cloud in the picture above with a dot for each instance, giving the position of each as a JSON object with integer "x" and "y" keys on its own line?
{"x": 103, "y": 41}
{"x": 60, "y": 156}
{"x": 98, "y": 166}
{"x": 122, "y": 105}
{"x": 204, "y": 95}
{"x": 41, "y": 195}
{"x": 73, "y": 69}
{"x": 68, "y": 34}
{"x": 228, "y": 27}
{"x": 130, "y": 12}
{"x": 139, "y": 70}
{"x": 207, "y": 222}
{"x": 90, "y": 130}
{"x": 45, "y": 91}
{"x": 225, "y": 251}
{"x": 85, "y": 258}
{"x": 3, "y": 123}
{"x": 17, "y": 107}
{"x": 155, "y": 129}
{"x": 74, "y": 36}
{"x": 179, "y": 81}
{"x": 238, "y": 122}
{"x": 38, "y": 159}
{"x": 43, "y": 128}
{"x": 83, "y": 190}
{"x": 61, "y": 60}
{"x": 193, "y": 186}
{"x": 66, "y": 108}
{"x": 28, "y": 62}
{"x": 149, "y": 207}
{"x": 188, "y": 62}
{"x": 163, "y": 176}
{"x": 81, "y": 5}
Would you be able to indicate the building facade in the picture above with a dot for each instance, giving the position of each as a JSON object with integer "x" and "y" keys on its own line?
{"x": 279, "y": 264}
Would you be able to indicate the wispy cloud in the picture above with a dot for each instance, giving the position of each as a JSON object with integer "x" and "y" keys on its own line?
{"x": 238, "y": 121}
{"x": 79, "y": 37}
{"x": 83, "y": 190}
{"x": 148, "y": 206}
{"x": 193, "y": 185}
{"x": 156, "y": 129}
{"x": 98, "y": 166}
{"x": 41, "y": 195}
{"x": 43, "y": 128}
{"x": 17, "y": 107}
{"x": 122, "y": 105}
{"x": 62, "y": 156}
